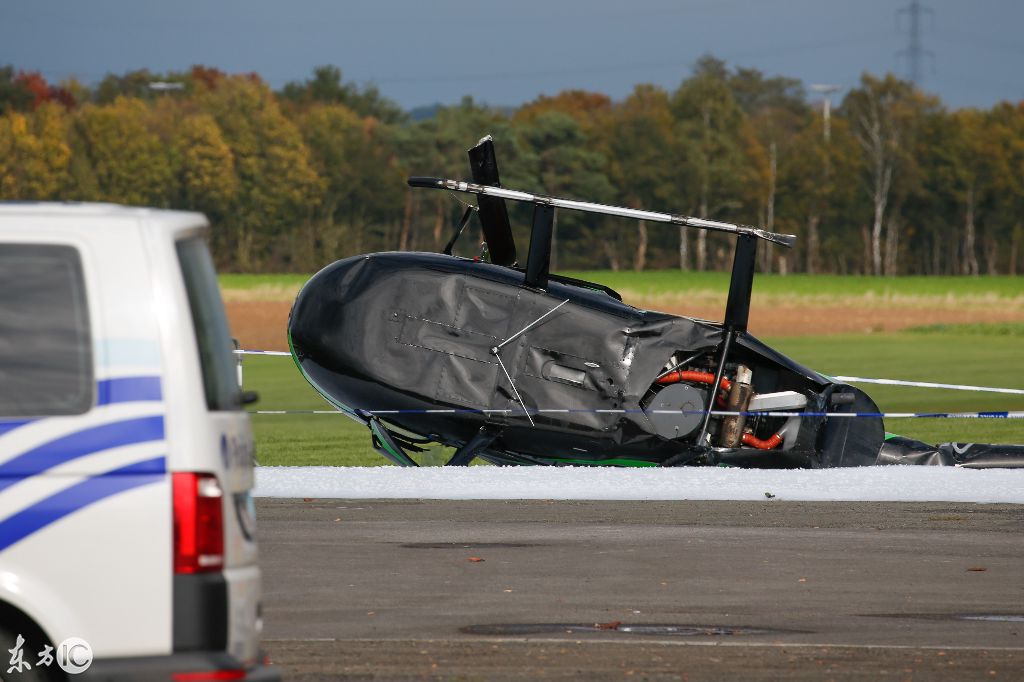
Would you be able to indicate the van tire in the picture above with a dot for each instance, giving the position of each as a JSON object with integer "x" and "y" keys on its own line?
{"x": 34, "y": 641}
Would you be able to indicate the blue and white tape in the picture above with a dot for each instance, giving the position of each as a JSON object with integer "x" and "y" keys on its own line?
{"x": 718, "y": 413}
{"x": 926, "y": 384}
{"x": 262, "y": 352}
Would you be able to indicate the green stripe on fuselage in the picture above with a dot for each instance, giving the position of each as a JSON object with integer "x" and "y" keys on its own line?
{"x": 344, "y": 408}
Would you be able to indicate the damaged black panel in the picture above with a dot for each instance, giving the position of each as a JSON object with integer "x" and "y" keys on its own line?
{"x": 900, "y": 450}
{"x": 415, "y": 332}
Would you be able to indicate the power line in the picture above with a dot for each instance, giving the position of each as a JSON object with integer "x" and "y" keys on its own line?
{"x": 914, "y": 52}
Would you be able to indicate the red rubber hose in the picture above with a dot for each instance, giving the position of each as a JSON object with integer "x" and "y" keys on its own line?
{"x": 698, "y": 377}
{"x": 755, "y": 442}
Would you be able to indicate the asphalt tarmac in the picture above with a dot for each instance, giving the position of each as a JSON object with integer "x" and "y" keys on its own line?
{"x": 491, "y": 590}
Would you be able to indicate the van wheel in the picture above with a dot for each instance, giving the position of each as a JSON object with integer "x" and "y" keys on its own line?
{"x": 34, "y": 642}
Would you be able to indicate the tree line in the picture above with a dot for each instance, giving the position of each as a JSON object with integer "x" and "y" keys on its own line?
{"x": 889, "y": 182}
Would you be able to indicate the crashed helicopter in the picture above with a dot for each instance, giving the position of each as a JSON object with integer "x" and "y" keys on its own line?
{"x": 519, "y": 365}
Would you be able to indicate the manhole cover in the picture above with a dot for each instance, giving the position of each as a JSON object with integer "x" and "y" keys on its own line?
{"x": 658, "y": 630}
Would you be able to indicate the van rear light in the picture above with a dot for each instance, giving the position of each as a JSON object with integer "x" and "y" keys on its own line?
{"x": 198, "y": 523}
{"x": 209, "y": 676}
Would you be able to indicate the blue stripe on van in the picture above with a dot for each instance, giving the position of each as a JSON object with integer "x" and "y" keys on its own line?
{"x": 10, "y": 426}
{"x": 80, "y": 444}
{"x": 128, "y": 390}
{"x": 55, "y": 507}
{"x": 109, "y": 392}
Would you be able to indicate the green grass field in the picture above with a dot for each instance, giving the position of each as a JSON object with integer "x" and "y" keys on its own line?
{"x": 245, "y": 282}
{"x": 667, "y": 282}
{"x": 975, "y": 354}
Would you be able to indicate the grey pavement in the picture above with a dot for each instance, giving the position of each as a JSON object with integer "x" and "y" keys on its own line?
{"x": 419, "y": 589}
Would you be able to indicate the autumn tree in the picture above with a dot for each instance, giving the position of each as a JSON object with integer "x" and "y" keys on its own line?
{"x": 14, "y": 96}
{"x": 315, "y": 172}
{"x": 278, "y": 188}
{"x": 327, "y": 87}
{"x": 775, "y": 114}
{"x": 149, "y": 86}
{"x": 1004, "y": 226}
{"x": 754, "y": 92}
{"x": 28, "y": 90}
{"x": 437, "y": 147}
{"x": 566, "y": 164}
{"x": 819, "y": 192}
{"x": 34, "y": 154}
{"x": 589, "y": 109}
{"x": 120, "y": 158}
{"x": 206, "y": 167}
{"x": 362, "y": 186}
{"x": 644, "y": 158}
{"x": 709, "y": 121}
{"x": 884, "y": 113}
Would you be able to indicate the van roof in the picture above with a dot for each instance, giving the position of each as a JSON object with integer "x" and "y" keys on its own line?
{"x": 70, "y": 209}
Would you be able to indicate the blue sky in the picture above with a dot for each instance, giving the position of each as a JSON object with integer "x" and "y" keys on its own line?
{"x": 506, "y": 53}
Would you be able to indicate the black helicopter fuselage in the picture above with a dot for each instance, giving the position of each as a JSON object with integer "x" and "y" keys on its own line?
{"x": 431, "y": 345}
{"x": 522, "y": 366}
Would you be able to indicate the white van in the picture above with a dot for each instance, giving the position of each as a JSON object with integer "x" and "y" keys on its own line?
{"x": 127, "y": 546}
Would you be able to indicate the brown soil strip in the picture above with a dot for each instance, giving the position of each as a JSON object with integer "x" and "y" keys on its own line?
{"x": 820, "y": 320}
{"x": 259, "y": 325}
{"x": 262, "y": 325}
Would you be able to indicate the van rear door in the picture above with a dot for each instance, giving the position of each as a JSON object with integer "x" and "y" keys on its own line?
{"x": 228, "y": 440}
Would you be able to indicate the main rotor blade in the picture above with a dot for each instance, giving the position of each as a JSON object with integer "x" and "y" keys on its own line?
{"x": 786, "y": 240}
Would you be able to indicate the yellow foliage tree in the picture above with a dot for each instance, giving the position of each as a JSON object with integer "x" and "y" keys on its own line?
{"x": 207, "y": 165}
{"x": 129, "y": 164}
{"x": 277, "y": 185}
{"x": 34, "y": 155}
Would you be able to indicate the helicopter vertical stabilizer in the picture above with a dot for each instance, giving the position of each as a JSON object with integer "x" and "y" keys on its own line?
{"x": 493, "y": 213}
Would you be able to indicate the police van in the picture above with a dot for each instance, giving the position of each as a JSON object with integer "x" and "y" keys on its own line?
{"x": 127, "y": 527}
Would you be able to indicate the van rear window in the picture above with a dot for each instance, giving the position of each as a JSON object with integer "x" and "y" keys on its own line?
{"x": 212, "y": 335}
{"x": 45, "y": 340}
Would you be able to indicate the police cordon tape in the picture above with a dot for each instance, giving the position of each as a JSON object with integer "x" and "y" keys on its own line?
{"x": 716, "y": 413}
{"x": 927, "y": 384}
